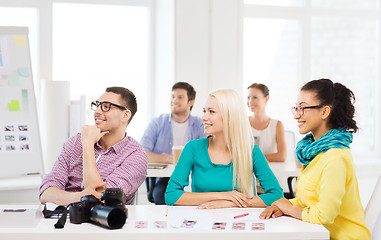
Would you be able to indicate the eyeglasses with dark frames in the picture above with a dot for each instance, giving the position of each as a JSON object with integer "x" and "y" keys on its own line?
{"x": 105, "y": 106}
{"x": 300, "y": 109}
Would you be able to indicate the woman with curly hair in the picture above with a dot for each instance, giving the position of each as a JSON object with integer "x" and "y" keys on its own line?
{"x": 326, "y": 190}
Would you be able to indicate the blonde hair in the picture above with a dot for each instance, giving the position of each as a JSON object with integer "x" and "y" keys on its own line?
{"x": 238, "y": 137}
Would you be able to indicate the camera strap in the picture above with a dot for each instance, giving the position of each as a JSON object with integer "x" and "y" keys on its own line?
{"x": 60, "y": 210}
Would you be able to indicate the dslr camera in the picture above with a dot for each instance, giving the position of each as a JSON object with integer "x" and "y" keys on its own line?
{"x": 112, "y": 214}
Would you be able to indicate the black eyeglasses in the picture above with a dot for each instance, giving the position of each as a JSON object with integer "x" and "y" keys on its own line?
{"x": 105, "y": 106}
{"x": 300, "y": 109}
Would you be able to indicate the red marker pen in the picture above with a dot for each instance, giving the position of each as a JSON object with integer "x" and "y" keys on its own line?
{"x": 242, "y": 215}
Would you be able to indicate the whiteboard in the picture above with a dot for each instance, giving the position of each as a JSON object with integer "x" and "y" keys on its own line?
{"x": 20, "y": 145}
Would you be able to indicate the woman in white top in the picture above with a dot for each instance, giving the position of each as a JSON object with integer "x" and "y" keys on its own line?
{"x": 268, "y": 133}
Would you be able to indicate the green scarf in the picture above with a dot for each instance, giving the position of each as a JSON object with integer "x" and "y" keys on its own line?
{"x": 307, "y": 149}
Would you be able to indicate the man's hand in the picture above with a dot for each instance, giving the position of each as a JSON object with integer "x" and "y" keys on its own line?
{"x": 94, "y": 189}
{"x": 159, "y": 158}
{"x": 64, "y": 198}
{"x": 217, "y": 204}
{"x": 91, "y": 134}
{"x": 271, "y": 212}
{"x": 167, "y": 158}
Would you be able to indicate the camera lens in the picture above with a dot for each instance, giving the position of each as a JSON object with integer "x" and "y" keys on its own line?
{"x": 110, "y": 217}
{"x": 114, "y": 197}
{"x": 116, "y": 218}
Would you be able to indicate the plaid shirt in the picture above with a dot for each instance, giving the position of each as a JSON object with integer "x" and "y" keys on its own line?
{"x": 123, "y": 165}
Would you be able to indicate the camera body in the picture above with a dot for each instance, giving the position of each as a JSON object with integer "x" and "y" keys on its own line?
{"x": 81, "y": 211}
{"x": 112, "y": 214}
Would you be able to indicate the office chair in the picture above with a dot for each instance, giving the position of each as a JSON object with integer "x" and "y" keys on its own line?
{"x": 150, "y": 184}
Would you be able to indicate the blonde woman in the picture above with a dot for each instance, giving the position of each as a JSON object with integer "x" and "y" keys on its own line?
{"x": 222, "y": 165}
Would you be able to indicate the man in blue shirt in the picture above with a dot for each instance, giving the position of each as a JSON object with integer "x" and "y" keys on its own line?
{"x": 171, "y": 129}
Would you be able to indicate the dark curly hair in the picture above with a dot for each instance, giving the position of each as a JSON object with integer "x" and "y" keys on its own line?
{"x": 341, "y": 100}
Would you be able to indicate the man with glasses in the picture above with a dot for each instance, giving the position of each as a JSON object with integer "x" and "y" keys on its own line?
{"x": 168, "y": 130}
{"x": 102, "y": 156}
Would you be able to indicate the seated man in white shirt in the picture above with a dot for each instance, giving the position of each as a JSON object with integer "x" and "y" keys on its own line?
{"x": 171, "y": 129}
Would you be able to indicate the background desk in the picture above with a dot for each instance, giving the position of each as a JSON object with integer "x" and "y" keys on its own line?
{"x": 165, "y": 172}
{"x": 24, "y": 189}
{"x": 282, "y": 171}
{"x": 280, "y": 228}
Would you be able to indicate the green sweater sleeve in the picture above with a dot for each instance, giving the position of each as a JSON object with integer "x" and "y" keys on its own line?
{"x": 180, "y": 176}
{"x": 266, "y": 177}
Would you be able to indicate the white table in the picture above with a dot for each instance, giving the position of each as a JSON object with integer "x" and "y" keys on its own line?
{"x": 165, "y": 172}
{"x": 282, "y": 171}
{"x": 279, "y": 228}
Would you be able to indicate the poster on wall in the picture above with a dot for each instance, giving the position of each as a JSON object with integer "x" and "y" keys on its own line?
{"x": 20, "y": 145}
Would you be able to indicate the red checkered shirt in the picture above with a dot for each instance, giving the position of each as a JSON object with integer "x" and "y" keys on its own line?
{"x": 123, "y": 165}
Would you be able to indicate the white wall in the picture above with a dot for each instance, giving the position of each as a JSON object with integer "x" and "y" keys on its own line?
{"x": 207, "y": 42}
{"x": 164, "y": 57}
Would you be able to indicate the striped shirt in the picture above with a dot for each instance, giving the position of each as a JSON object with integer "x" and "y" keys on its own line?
{"x": 123, "y": 165}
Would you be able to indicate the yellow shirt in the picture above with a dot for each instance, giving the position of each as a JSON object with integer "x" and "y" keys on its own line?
{"x": 327, "y": 189}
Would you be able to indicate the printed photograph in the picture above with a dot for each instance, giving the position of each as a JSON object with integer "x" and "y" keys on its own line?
{"x": 24, "y": 147}
{"x": 257, "y": 226}
{"x": 23, "y": 128}
{"x": 9, "y": 128}
{"x": 238, "y": 226}
{"x": 219, "y": 226}
{"x": 10, "y": 148}
{"x": 9, "y": 137}
{"x": 22, "y": 138}
{"x": 188, "y": 224}
{"x": 160, "y": 224}
{"x": 141, "y": 224}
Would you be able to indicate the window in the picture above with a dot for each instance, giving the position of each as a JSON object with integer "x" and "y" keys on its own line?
{"x": 275, "y": 2}
{"x": 100, "y": 46}
{"x": 271, "y": 56}
{"x": 289, "y": 43}
{"x": 346, "y": 4}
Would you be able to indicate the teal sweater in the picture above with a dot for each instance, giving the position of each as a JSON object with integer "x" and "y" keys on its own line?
{"x": 210, "y": 177}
